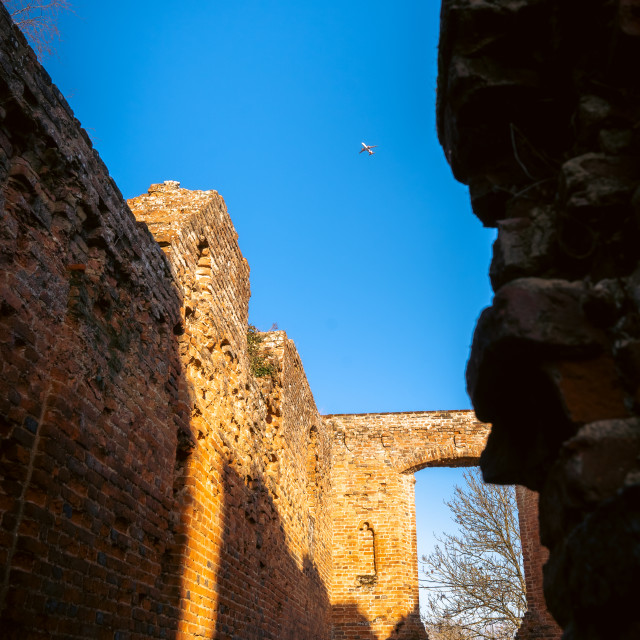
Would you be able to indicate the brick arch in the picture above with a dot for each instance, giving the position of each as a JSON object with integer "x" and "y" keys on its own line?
{"x": 439, "y": 456}
{"x": 374, "y": 458}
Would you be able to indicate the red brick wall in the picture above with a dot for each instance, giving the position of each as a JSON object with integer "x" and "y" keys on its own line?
{"x": 150, "y": 485}
{"x": 253, "y": 546}
{"x": 537, "y": 624}
{"x": 89, "y": 384}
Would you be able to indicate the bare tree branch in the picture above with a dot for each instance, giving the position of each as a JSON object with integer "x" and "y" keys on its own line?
{"x": 475, "y": 578}
{"x": 37, "y": 19}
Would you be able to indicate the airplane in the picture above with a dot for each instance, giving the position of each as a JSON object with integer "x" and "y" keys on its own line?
{"x": 367, "y": 148}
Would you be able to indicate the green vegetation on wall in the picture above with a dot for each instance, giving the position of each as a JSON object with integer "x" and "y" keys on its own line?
{"x": 260, "y": 363}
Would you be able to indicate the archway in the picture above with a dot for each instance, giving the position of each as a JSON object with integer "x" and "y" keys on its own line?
{"x": 468, "y": 532}
{"x": 375, "y": 457}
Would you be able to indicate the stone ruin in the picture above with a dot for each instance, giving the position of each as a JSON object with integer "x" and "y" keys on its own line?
{"x": 539, "y": 113}
{"x": 152, "y": 486}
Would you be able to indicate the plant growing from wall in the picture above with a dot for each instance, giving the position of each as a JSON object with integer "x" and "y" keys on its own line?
{"x": 260, "y": 363}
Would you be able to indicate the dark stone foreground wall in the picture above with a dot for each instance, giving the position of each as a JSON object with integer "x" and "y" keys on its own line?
{"x": 539, "y": 113}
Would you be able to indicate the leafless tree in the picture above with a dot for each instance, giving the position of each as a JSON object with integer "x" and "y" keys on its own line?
{"x": 38, "y": 21}
{"x": 475, "y": 578}
{"x": 439, "y": 629}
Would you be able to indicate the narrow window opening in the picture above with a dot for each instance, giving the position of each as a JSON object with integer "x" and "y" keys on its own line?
{"x": 366, "y": 557}
{"x": 312, "y": 467}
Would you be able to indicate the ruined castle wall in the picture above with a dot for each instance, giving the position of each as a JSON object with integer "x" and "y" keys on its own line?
{"x": 307, "y": 445}
{"x": 539, "y": 112}
{"x": 196, "y": 233}
{"x": 89, "y": 381}
{"x": 375, "y": 586}
{"x": 254, "y": 564}
{"x": 151, "y": 486}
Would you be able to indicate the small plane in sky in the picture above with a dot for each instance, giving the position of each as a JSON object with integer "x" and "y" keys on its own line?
{"x": 367, "y": 148}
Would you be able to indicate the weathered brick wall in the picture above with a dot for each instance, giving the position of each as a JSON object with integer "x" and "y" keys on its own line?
{"x": 255, "y": 547}
{"x": 89, "y": 384}
{"x": 537, "y": 624}
{"x": 375, "y": 585}
{"x": 198, "y": 237}
{"x": 306, "y": 443}
{"x": 539, "y": 113}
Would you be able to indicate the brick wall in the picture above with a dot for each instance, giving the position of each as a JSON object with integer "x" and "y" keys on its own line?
{"x": 90, "y": 380}
{"x": 375, "y": 585}
{"x": 252, "y": 532}
{"x": 537, "y": 624}
{"x": 150, "y": 483}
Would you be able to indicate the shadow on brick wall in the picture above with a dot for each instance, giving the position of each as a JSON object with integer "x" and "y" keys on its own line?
{"x": 350, "y": 623}
{"x": 90, "y": 404}
{"x": 284, "y": 595}
{"x": 250, "y": 585}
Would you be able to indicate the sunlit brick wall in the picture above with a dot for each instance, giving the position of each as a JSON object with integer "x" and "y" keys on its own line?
{"x": 375, "y": 584}
{"x": 252, "y": 544}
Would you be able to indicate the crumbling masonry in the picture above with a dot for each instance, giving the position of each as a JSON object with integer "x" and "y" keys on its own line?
{"x": 151, "y": 485}
{"x": 539, "y": 113}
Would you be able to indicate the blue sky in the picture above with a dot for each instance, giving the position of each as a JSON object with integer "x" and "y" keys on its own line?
{"x": 375, "y": 266}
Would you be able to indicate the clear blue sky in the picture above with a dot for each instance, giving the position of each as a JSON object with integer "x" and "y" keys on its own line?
{"x": 375, "y": 266}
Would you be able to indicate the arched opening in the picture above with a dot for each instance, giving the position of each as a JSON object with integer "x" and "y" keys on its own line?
{"x": 469, "y": 532}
